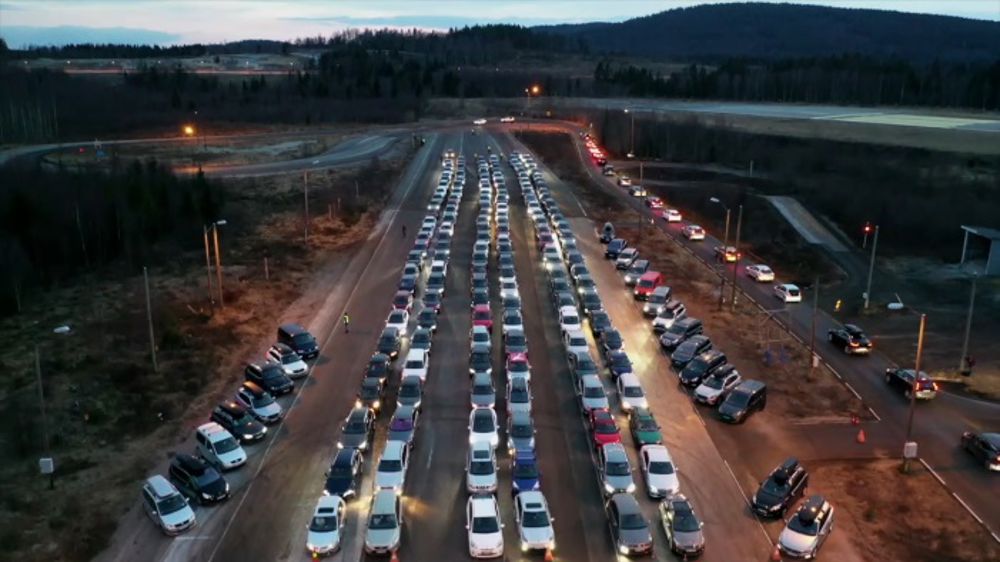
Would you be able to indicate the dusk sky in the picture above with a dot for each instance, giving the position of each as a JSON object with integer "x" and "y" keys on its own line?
{"x": 165, "y": 22}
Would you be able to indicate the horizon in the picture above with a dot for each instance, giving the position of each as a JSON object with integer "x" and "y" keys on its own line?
{"x": 61, "y": 22}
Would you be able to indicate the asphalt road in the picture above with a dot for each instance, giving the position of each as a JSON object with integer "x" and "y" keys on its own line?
{"x": 938, "y": 424}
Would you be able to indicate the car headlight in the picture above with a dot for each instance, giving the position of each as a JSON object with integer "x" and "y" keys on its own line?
{"x": 609, "y": 488}
{"x": 623, "y": 549}
{"x": 340, "y": 445}
{"x": 247, "y": 436}
{"x": 376, "y": 404}
{"x": 775, "y": 507}
{"x": 630, "y": 488}
{"x": 206, "y": 496}
{"x": 524, "y": 547}
{"x": 357, "y": 403}
{"x": 363, "y": 445}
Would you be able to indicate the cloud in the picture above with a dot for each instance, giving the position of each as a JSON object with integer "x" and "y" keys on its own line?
{"x": 20, "y": 36}
{"x": 423, "y": 22}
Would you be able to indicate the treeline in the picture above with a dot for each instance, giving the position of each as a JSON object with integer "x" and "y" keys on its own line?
{"x": 848, "y": 79}
{"x": 55, "y": 223}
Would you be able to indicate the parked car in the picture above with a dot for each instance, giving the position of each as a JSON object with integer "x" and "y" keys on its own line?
{"x": 197, "y": 479}
{"x": 635, "y": 271}
{"x": 390, "y": 473}
{"x": 702, "y": 366}
{"x": 259, "y": 403}
{"x": 985, "y": 447}
{"x": 615, "y": 470}
{"x": 629, "y": 529}
{"x": 670, "y": 312}
{"x": 218, "y": 447}
{"x": 534, "y": 524}
{"x": 481, "y": 469}
{"x": 682, "y": 527}
{"x": 238, "y": 420}
{"x": 903, "y": 381}
{"x": 714, "y": 388}
{"x": 658, "y": 471}
{"x": 784, "y": 486}
{"x": 166, "y": 506}
{"x": 383, "y": 532}
{"x": 688, "y": 350}
{"x": 626, "y": 258}
{"x": 289, "y": 360}
{"x": 603, "y": 428}
{"x": 851, "y": 339}
{"x": 614, "y": 248}
{"x": 679, "y": 332}
{"x": 326, "y": 526}
{"x": 647, "y": 284}
{"x": 270, "y": 376}
{"x": 485, "y": 531}
{"x": 656, "y": 301}
{"x": 748, "y": 397}
{"x": 645, "y": 430}
{"x": 808, "y": 529}
{"x": 343, "y": 477}
{"x": 299, "y": 339}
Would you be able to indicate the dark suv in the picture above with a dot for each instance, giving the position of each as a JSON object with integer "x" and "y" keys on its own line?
{"x": 388, "y": 342}
{"x": 299, "y": 339}
{"x": 270, "y": 376}
{"x": 680, "y": 330}
{"x": 614, "y": 248}
{"x": 702, "y": 367}
{"x": 197, "y": 480}
{"x": 238, "y": 421}
{"x": 851, "y": 339}
{"x": 782, "y": 488}
{"x": 687, "y": 351}
{"x": 746, "y": 398}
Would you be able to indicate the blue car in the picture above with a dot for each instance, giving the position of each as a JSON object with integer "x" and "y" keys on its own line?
{"x": 524, "y": 472}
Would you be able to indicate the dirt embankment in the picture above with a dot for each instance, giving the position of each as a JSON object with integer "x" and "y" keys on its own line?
{"x": 110, "y": 416}
{"x": 757, "y": 346}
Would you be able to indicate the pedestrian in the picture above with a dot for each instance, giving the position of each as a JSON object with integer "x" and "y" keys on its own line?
{"x": 404, "y": 231}
{"x": 347, "y": 323}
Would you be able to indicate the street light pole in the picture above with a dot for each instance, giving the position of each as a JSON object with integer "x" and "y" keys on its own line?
{"x": 725, "y": 242}
{"x": 913, "y": 389}
{"x": 149, "y": 318}
{"x": 218, "y": 261}
{"x": 812, "y": 334}
{"x": 45, "y": 419}
{"x": 305, "y": 197}
{"x": 871, "y": 269}
{"x": 208, "y": 267}
{"x": 736, "y": 247}
{"x": 962, "y": 363}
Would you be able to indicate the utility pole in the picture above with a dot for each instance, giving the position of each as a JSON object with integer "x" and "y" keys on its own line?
{"x": 913, "y": 389}
{"x": 45, "y": 419}
{"x": 218, "y": 264}
{"x": 812, "y": 335}
{"x": 736, "y": 246}
{"x": 725, "y": 243}
{"x": 149, "y": 318}
{"x": 305, "y": 197}
{"x": 962, "y": 364}
{"x": 871, "y": 269}
{"x": 208, "y": 267}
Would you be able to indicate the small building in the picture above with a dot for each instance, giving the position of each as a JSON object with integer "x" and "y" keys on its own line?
{"x": 992, "y": 235}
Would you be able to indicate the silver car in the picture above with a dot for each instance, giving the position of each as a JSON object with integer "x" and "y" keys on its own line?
{"x": 682, "y": 526}
{"x": 518, "y": 396}
{"x": 616, "y": 472}
{"x": 534, "y": 525}
{"x": 628, "y": 526}
{"x": 481, "y": 469}
{"x": 592, "y": 395}
{"x": 484, "y": 394}
{"x": 807, "y": 530}
{"x": 391, "y": 471}
{"x": 385, "y": 522}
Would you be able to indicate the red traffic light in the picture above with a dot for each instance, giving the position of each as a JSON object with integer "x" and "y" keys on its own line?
{"x": 868, "y": 228}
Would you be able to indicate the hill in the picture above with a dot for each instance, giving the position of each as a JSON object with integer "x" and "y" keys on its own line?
{"x": 772, "y": 31}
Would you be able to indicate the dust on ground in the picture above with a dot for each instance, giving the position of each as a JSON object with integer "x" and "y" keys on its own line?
{"x": 799, "y": 392}
{"x": 110, "y": 416}
{"x": 873, "y": 496}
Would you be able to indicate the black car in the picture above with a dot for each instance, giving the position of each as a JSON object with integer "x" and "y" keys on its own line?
{"x": 611, "y": 340}
{"x": 371, "y": 394}
{"x": 614, "y": 248}
{"x": 408, "y": 283}
{"x": 985, "y": 447}
{"x": 427, "y": 319}
{"x": 389, "y": 341}
{"x": 357, "y": 430}
{"x": 781, "y": 489}
{"x": 688, "y": 350}
{"x": 851, "y": 339}
{"x": 344, "y": 475}
{"x": 378, "y": 366}
{"x": 270, "y": 376}
{"x": 599, "y": 321}
{"x": 680, "y": 331}
{"x": 197, "y": 479}
{"x": 480, "y": 360}
{"x": 702, "y": 367}
{"x": 299, "y": 339}
{"x": 748, "y": 397}
{"x": 591, "y": 301}
{"x": 238, "y": 421}
{"x": 619, "y": 364}
{"x": 902, "y": 380}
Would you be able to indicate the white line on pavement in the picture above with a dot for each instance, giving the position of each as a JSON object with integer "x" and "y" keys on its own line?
{"x": 747, "y": 500}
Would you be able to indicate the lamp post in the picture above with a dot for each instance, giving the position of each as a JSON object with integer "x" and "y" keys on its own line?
{"x": 871, "y": 269}
{"x": 913, "y": 391}
{"x": 725, "y": 243}
{"x": 736, "y": 248}
{"x": 631, "y": 151}
{"x": 963, "y": 363}
{"x": 214, "y": 228}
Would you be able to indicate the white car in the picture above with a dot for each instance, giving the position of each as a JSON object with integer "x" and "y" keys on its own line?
{"x": 518, "y": 396}
{"x": 480, "y": 336}
{"x": 219, "y": 447}
{"x": 807, "y": 530}
{"x": 448, "y": 227}
{"x": 384, "y": 531}
{"x": 713, "y": 389}
{"x": 483, "y": 427}
{"x": 481, "y": 469}
{"x": 672, "y": 215}
{"x": 626, "y": 257}
{"x": 439, "y": 266}
{"x": 788, "y": 293}
{"x": 416, "y": 364}
{"x": 479, "y": 121}
{"x": 430, "y": 222}
{"x": 630, "y": 392}
{"x": 637, "y": 191}
{"x": 326, "y": 526}
{"x": 398, "y": 319}
{"x": 670, "y": 312}
{"x": 391, "y": 471}
{"x": 760, "y": 273}
{"x": 482, "y": 519}
{"x": 507, "y": 119}
{"x": 693, "y": 232}
{"x": 291, "y": 362}
{"x": 534, "y": 524}
{"x": 659, "y": 472}
{"x": 624, "y": 180}
{"x": 569, "y": 319}
{"x": 591, "y": 392}
{"x": 509, "y": 289}
{"x": 166, "y": 506}
{"x": 575, "y": 341}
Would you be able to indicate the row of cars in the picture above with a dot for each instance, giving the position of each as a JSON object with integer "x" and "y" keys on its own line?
{"x": 198, "y": 477}
{"x": 384, "y": 521}
{"x": 576, "y": 301}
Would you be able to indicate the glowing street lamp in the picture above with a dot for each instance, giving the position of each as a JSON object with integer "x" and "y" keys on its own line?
{"x": 189, "y": 130}
{"x": 535, "y": 89}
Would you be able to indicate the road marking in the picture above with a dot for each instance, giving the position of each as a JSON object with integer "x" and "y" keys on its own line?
{"x": 747, "y": 500}
{"x": 874, "y": 414}
{"x": 578, "y": 204}
{"x": 851, "y": 388}
{"x": 961, "y": 502}
{"x": 263, "y": 459}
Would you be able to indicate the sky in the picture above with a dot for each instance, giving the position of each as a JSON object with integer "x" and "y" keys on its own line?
{"x": 168, "y": 22}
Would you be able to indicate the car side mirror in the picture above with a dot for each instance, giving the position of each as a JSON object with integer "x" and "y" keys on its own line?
{"x": 701, "y": 524}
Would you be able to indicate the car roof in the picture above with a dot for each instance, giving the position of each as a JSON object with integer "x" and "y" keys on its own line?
{"x": 532, "y": 500}
{"x": 190, "y": 463}
{"x": 629, "y": 379}
{"x": 328, "y": 505}
{"x": 575, "y": 333}
{"x": 569, "y": 310}
{"x": 393, "y": 449}
{"x": 657, "y": 453}
{"x": 212, "y": 430}
{"x": 481, "y": 377}
{"x": 232, "y": 407}
{"x": 293, "y": 329}
{"x": 282, "y": 348}
{"x": 384, "y": 501}
{"x": 160, "y": 486}
{"x": 483, "y": 505}
{"x": 592, "y": 380}
{"x": 650, "y": 275}
{"x": 344, "y": 457}
{"x": 749, "y": 385}
{"x": 481, "y": 348}
{"x": 482, "y": 307}
{"x": 626, "y": 503}
{"x": 416, "y": 354}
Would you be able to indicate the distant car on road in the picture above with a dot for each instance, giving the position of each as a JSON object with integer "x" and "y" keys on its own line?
{"x": 507, "y": 119}
{"x": 851, "y": 339}
{"x": 637, "y": 191}
{"x": 903, "y": 381}
{"x": 654, "y": 202}
{"x": 480, "y": 121}
{"x": 788, "y": 293}
{"x": 693, "y": 232}
{"x": 985, "y": 447}
{"x": 760, "y": 273}
{"x": 672, "y": 215}
{"x": 727, "y": 254}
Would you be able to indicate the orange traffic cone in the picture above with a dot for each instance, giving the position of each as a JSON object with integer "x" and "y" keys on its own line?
{"x": 549, "y": 557}
{"x": 395, "y": 557}
{"x": 776, "y": 555}
{"x": 861, "y": 436}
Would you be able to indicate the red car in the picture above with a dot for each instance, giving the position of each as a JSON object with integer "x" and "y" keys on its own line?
{"x": 481, "y": 316}
{"x": 654, "y": 202}
{"x": 604, "y": 428}
{"x": 518, "y": 366}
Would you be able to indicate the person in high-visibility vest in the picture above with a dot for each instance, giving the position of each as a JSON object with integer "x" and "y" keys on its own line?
{"x": 347, "y": 323}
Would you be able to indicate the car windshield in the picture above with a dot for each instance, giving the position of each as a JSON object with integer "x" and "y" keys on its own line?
{"x": 535, "y": 519}
{"x": 369, "y": 392}
{"x": 661, "y": 467}
{"x": 396, "y": 317}
{"x": 517, "y": 340}
{"x": 400, "y": 424}
{"x": 793, "y": 292}
{"x": 420, "y": 337}
{"x": 810, "y": 527}
{"x": 226, "y": 445}
{"x": 593, "y": 392}
{"x": 482, "y": 389}
{"x": 263, "y": 400}
{"x": 485, "y": 525}
{"x": 480, "y": 337}
{"x": 519, "y": 395}
{"x": 578, "y": 341}
{"x": 521, "y": 431}
{"x": 244, "y": 420}
{"x": 302, "y": 339}
{"x": 171, "y": 504}
{"x": 678, "y": 329}
{"x": 482, "y": 315}
{"x": 621, "y": 362}
{"x": 571, "y": 319}
{"x": 482, "y": 424}
{"x": 585, "y": 365}
{"x": 684, "y": 519}
{"x": 517, "y": 367}
{"x": 323, "y": 524}
{"x": 480, "y": 360}
{"x": 290, "y": 358}
{"x": 633, "y": 521}
{"x": 355, "y": 426}
{"x": 390, "y": 465}
{"x": 645, "y": 424}
{"x": 381, "y": 521}
{"x": 273, "y": 374}
{"x": 618, "y": 469}
{"x": 776, "y": 486}
{"x": 525, "y": 470}
{"x": 633, "y": 392}
{"x": 645, "y": 283}
{"x": 714, "y": 383}
{"x": 341, "y": 472}
{"x": 409, "y": 390}
{"x": 414, "y": 364}
{"x": 606, "y": 428}
{"x": 481, "y": 468}
{"x": 738, "y": 399}
{"x": 512, "y": 319}
{"x": 612, "y": 339}
{"x": 387, "y": 341}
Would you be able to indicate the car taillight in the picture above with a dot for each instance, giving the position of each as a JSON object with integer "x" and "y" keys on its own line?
{"x": 934, "y": 385}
